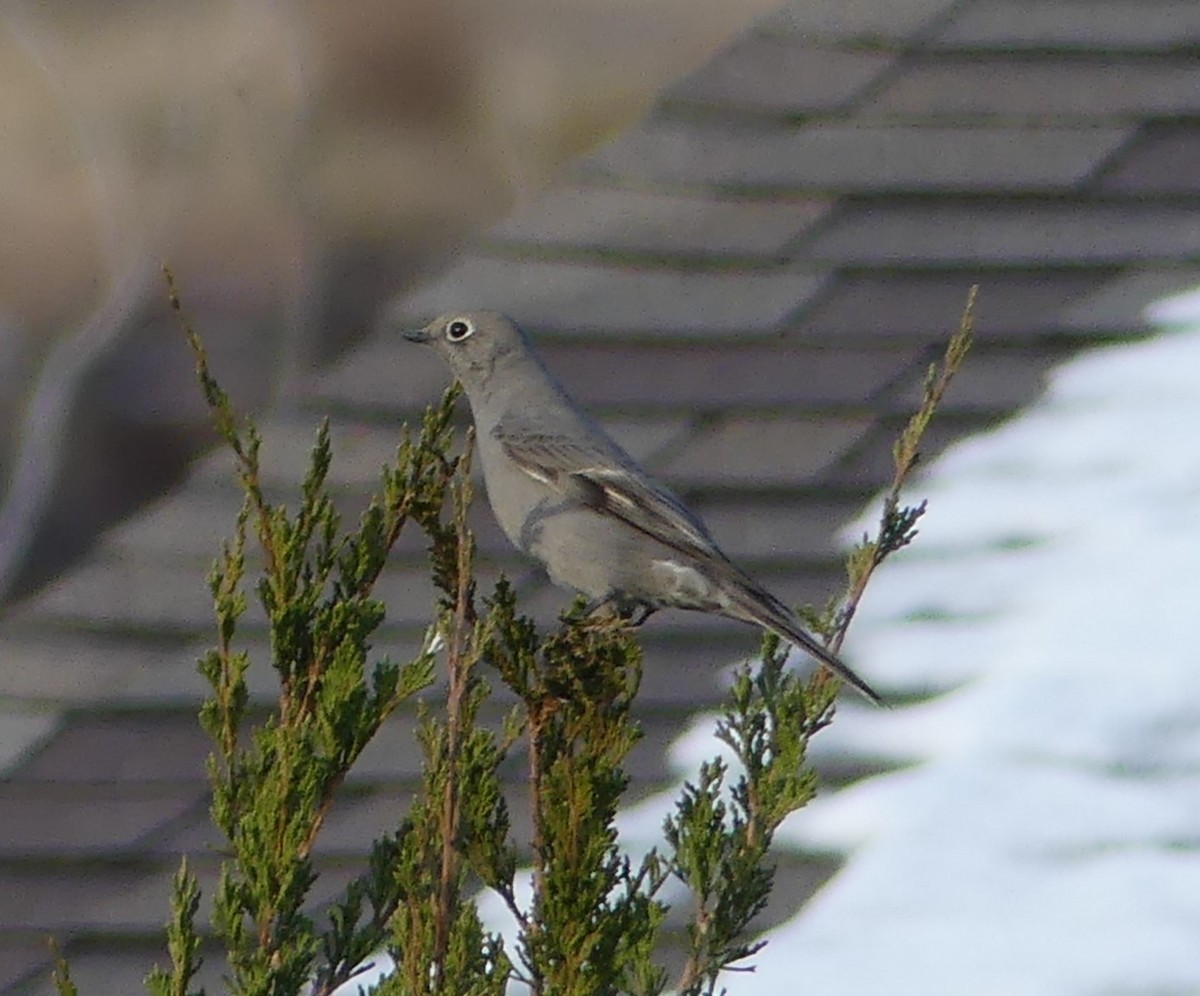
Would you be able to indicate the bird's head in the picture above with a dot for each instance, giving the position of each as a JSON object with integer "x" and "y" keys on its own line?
{"x": 473, "y": 343}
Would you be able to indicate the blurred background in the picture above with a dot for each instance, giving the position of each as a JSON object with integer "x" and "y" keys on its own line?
{"x": 295, "y": 163}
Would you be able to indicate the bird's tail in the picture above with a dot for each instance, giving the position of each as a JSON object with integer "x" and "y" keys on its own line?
{"x": 754, "y": 605}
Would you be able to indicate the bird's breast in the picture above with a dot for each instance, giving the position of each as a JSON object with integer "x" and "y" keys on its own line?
{"x": 513, "y": 495}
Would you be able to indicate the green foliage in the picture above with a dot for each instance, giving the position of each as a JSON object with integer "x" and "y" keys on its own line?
{"x": 272, "y": 789}
{"x": 272, "y": 793}
{"x": 183, "y": 941}
{"x": 721, "y": 839}
{"x": 437, "y": 940}
{"x": 596, "y": 917}
{"x": 61, "y": 975}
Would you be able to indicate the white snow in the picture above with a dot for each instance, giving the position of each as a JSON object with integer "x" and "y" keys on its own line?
{"x": 1047, "y": 837}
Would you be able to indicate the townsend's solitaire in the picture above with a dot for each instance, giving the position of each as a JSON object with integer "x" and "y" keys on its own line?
{"x": 566, "y": 494}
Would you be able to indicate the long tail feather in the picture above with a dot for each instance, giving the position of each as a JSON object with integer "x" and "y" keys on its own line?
{"x": 759, "y": 607}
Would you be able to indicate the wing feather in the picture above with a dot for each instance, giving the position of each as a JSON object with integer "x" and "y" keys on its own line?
{"x": 611, "y": 483}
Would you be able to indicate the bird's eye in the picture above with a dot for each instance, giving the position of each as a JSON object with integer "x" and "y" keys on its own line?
{"x": 459, "y": 329}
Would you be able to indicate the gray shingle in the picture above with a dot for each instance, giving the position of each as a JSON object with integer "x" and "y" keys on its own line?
{"x": 666, "y": 378}
{"x": 24, "y": 727}
{"x": 1161, "y": 161}
{"x": 125, "y": 593}
{"x": 781, "y": 75}
{"x": 111, "y": 966}
{"x": 646, "y": 437}
{"x": 787, "y": 372}
{"x": 871, "y": 461}
{"x": 141, "y": 904}
{"x": 63, "y": 898}
{"x": 1100, "y": 25}
{"x": 185, "y": 531}
{"x": 859, "y": 156}
{"x": 923, "y": 306}
{"x": 39, "y": 819}
{"x": 46, "y": 668}
{"x": 581, "y": 298}
{"x": 761, "y": 451}
{"x": 995, "y": 382}
{"x": 360, "y": 450}
{"x": 859, "y": 20}
{"x": 1015, "y": 233}
{"x": 20, "y": 958}
{"x": 1103, "y": 88}
{"x": 784, "y": 530}
{"x": 1121, "y": 304}
{"x": 358, "y": 819}
{"x": 394, "y": 754}
{"x": 121, "y": 747}
{"x": 657, "y": 222}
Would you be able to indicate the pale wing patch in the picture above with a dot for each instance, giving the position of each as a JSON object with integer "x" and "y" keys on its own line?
{"x": 536, "y": 472}
{"x": 628, "y": 492}
{"x": 618, "y": 497}
{"x": 682, "y": 584}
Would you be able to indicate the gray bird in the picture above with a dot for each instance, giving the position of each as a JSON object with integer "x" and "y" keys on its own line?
{"x": 567, "y": 495}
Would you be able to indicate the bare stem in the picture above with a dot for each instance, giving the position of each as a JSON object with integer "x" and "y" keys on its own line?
{"x": 459, "y": 663}
{"x": 536, "y": 803}
{"x": 896, "y": 525}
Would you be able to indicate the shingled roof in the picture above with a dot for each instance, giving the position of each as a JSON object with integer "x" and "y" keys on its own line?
{"x": 747, "y": 288}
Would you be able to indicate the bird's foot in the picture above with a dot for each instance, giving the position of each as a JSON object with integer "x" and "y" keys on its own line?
{"x": 630, "y": 612}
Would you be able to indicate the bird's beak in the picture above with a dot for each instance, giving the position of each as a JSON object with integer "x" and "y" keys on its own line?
{"x": 417, "y": 335}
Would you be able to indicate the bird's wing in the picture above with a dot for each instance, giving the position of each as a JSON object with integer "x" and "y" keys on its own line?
{"x": 609, "y": 483}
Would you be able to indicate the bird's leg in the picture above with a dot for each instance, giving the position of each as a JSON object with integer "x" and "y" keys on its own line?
{"x": 639, "y": 613}
{"x": 632, "y": 612}
{"x": 596, "y": 604}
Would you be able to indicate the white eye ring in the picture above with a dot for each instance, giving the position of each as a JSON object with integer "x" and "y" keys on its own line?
{"x": 459, "y": 329}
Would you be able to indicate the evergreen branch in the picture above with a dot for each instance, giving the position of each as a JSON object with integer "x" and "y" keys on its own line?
{"x": 594, "y": 917}
{"x": 183, "y": 941}
{"x": 61, "y": 974}
{"x": 271, "y": 796}
{"x": 720, "y": 833}
{"x": 897, "y": 524}
{"x": 459, "y": 664}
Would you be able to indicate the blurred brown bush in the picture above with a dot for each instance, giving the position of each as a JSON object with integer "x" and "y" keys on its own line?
{"x": 296, "y": 162}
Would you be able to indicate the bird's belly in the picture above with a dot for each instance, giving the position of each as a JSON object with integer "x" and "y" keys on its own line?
{"x": 590, "y": 552}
